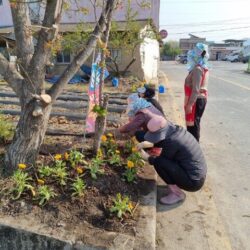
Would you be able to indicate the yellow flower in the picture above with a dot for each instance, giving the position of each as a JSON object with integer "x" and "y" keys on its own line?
{"x": 117, "y": 151}
{"x": 112, "y": 141}
{"x": 130, "y": 164}
{"x": 66, "y": 156}
{"x": 40, "y": 181}
{"x": 130, "y": 206}
{"x": 79, "y": 170}
{"x": 110, "y": 135}
{"x": 22, "y": 166}
{"x": 134, "y": 149}
{"x": 104, "y": 138}
{"x": 58, "y": 157}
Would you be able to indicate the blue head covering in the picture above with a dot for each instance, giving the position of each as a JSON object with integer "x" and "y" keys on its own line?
{"x": 141, "y": 103}
{"x": 194, "y": 56}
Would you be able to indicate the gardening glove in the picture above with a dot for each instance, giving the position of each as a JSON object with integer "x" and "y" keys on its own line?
{"x": 144, "y": 155}
{"x": 144, "y": 144}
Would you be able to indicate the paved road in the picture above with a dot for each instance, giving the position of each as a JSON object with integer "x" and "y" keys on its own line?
{"x": 225, "y": 138}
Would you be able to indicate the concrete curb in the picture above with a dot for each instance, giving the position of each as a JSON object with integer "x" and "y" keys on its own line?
{"x": 146, "y": 228}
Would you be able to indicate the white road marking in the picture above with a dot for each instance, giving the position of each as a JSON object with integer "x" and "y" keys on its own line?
{"x": 233, "y": 83}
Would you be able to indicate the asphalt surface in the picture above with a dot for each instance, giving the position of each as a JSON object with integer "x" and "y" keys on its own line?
{"x": 225, "y": 139}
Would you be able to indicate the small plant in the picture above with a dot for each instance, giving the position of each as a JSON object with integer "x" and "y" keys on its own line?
{"x": 78, "y": 187}
{"x": 130, "y": 174}
{"x": 108, "y": 143}
{"x": 6, "y": 129}
{"x": 129, "y": 146}
{"x": 75, "y": 158}
{"x": 131, "y": 171}
{"x": 121, "y": 206}
{"x": 21, "y": 183}
{"x": 115, "y": 158}
{"x": 45, "y": 171}
{"x": 135, "y": 157}
{"x": 45, "y": 193}
{"x": 94, "y": 167}
{"x": 100, "y": 111}
{"x": 60, "y": 173}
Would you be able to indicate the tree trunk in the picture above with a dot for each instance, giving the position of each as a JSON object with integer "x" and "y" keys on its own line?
{"x": 28, "y": 137}
{"x": 100, "y": 126}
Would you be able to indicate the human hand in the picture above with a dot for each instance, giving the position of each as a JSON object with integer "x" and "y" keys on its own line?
{"x": 144, "y": 144}
{"x": 144, "y": 155}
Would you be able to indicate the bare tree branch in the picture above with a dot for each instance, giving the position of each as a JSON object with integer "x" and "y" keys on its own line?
{"x": 21, "y": 20}
{"x": 46, "y": 36}
{"x": 11, "y": 75}
{"x": 83, "y": 55}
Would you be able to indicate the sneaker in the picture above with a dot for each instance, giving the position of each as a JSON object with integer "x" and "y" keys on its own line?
{"x": 172, "y": 198}
{"x": 154, "y": 151}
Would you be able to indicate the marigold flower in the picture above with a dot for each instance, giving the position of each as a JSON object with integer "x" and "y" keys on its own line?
{"x": 40, "y": 181}
{"x": 110, "y": 135}
{"x": 130, "y": 206}
{"x": 117, "y": 151}
{"x": 134, "y": 149}
{"x": 22, "y": 166}
{"x": 79, "y": 170}
{"x": 66, "y": 156}
{"x": 58, "y": 157}
{"x": 130, "y": 164}
{"x": 104, "y": 138}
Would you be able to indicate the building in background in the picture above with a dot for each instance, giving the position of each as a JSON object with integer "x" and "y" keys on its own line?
{"x": 146, "y": 54}
{"x": 219, "y": 51}
{"x": 187, "y": 44}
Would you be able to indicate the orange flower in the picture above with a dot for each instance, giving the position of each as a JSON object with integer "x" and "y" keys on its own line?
{"x": 40, "y": 181}
{"x": 130, "y": 206}
{"x": 22, "y": 166}
{"x": 66, "y": 156}
{"x": 79, "y": 170}
{"x": 58, "y": 157}
{"x": 130, "y": 164}
{"x": 104, "y": 138}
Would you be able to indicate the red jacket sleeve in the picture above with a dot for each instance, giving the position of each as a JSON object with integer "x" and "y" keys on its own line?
{"x": 135, "y": 124}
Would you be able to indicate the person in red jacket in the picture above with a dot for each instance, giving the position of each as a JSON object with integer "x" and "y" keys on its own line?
{"x": 196, "y": 88}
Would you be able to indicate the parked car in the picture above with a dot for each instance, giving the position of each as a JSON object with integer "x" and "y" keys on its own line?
{"x": 181, "y": 59}
{"x": 233, "y": 57}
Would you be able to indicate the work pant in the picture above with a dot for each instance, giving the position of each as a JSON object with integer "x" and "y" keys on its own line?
{"x": 200, "y": 107}
{"x": 172, "y": 173}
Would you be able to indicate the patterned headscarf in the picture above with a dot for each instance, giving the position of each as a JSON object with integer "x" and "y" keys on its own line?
{"x": 141, "y": 103}
{"x": 194, "y": 57}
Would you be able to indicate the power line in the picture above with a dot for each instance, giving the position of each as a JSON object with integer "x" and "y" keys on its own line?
{"x": 206, "y": 31}
{"x": 215, "y": 22}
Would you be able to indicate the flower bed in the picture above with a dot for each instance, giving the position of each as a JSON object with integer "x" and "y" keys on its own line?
{"x": 64, "y": 189}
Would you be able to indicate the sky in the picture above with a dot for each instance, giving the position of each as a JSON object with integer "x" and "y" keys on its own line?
{"x": 216, "y": 20}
